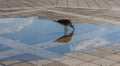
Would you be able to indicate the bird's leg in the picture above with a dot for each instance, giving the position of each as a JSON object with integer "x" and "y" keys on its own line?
{"x": 65, "y": 30}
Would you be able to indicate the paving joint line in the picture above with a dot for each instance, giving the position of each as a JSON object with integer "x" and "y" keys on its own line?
{"x": 116, "y": 3}
{"x": 27, "y": 48}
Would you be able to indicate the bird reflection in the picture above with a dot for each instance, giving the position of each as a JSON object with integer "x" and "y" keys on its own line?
{"x": 67, "y": 36}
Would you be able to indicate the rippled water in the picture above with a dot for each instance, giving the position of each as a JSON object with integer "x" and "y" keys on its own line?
{"x": 49, "y": 35}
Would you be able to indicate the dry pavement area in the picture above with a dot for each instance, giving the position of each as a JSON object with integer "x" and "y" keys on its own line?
{"x": 93, "y": 11}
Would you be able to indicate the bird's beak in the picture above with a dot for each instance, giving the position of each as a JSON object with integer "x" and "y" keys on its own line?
{"x": 55, "y": 20}
{"x": 72, "y": 27}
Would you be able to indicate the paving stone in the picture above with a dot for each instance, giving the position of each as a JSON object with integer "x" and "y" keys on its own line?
{"x": 1, "y": 65}
{"x": 55, "y": 64}
{"x": 115, "y": 57}
{"x": 111, "y": 3}
{"x": 102, "y": 4}
{"x": 92, "y": 4}
{"x": 72, "y": 62}
{"x": 82, "y": 4}
{"x": 82, "y": 56}
{"x": 72, "y": 4}
{"x": 104, "y": 62}
{"x": 63, "y": 3}
{"x": 117, "y": 46}
{"x": 60, "y": 58}
{"x": 109, "y": 49}
{"x": 23, "y": 64}
{"x": 99, "y": 53}
{"x": 89, "y": 64}
{"x": 41, "y": 62}
{"x": 118, "y": 64}
{"x": 9, "y": 62}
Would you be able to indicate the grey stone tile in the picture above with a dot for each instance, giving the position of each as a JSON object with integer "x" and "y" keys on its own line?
{"x": 109, "y": 49}
{"x": 40, "y": 62}
{"x": 118, "y": 64}
{"x": 89, "y": 64}
{"x": 83, "y": 56}
{"x": 91, "y": 4}
{"x": 99, "y": 53}
{"x": 60, "y": 58}
{"x": 9, "y": 62}
{"x": 55, "y": 64}
{"x": 104, "y": 62}
{"x": 23, "y": 64}
{"x": 115, "y": 57}
{"x": 73, "y": 62}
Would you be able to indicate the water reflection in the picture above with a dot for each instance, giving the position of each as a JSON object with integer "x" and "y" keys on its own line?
{"x": 46, "y": 34}
{"x": 42, "y": 37}
{"x": 65, "y": 38}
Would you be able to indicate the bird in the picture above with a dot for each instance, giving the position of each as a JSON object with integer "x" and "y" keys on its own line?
{"x": 65, "y": 22}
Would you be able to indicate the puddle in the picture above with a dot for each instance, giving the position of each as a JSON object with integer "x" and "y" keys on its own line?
{"x": 46, "y": 34}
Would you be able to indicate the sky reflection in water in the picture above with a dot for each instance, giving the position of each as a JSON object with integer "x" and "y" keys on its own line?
{"x": 48, "y": 34}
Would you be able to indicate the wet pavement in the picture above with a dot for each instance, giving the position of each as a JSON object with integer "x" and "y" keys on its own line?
{"x": 36, "y": 41}
{"x": 40, "y": 41}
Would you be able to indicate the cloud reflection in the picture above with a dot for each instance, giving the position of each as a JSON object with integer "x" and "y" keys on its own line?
{"x": 6, "y": 20}
{"x": 90, "y": 43}
{"x": 11, "y": 25}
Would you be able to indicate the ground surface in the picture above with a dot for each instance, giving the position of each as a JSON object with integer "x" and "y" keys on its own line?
{"x": 93, "y": 11}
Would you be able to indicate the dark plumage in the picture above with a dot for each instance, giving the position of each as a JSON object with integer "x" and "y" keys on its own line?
{"x": 66, "y": 23}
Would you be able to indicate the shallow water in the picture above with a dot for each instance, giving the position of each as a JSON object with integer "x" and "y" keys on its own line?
{"x": 49, "y": 35}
